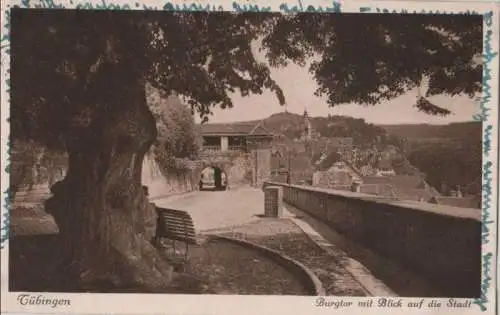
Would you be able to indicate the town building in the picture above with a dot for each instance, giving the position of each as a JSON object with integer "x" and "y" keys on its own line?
{"x": 332, "y": 171}
{"x": 402, "y": 187}
{"x": 384, "y": 168}
{"x": 240, "y": 137}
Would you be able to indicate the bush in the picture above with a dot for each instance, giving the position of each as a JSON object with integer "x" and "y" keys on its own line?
{"x": 178, "y": 142}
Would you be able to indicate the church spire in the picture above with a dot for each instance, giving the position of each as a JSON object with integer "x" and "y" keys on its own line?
{"x": 307, "y": 126}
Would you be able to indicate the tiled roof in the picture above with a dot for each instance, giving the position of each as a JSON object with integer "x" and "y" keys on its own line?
{"x": 328, "y": 162}
{"x": 333, "y": 179}
{"x": 465, "y": 202}
{"x": 254, "y": 129}
{"x": 400, "y": 181}
{"x": 405, "y": 187}
{"x": 384, "y": 164}
{"x": 378, "y": 189}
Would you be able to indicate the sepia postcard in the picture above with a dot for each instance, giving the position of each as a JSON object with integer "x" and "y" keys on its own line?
{"x": 253, "y": 157}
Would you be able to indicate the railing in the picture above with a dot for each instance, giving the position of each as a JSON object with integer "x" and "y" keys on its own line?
{"x": 440, "y": 243}
{"x": 211, "y": 148}
{"x": 236, "y": 148}
{"x": 217, "y": 148}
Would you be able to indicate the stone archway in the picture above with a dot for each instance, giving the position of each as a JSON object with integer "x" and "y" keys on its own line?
{"x": 218, "y": 178}
{"x": 213, "y": 177}
{"x": 237, "y": 167}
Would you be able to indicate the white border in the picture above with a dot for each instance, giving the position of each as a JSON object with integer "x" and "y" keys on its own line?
{"x": 219, "y": 304}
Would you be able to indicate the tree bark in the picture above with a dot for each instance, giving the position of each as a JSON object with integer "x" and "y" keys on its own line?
{"x": 100, "y": 207}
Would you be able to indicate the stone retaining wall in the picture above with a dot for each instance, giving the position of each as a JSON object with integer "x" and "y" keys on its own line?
{"x": 443, "y": 244}
{"x": 162, "y": 184}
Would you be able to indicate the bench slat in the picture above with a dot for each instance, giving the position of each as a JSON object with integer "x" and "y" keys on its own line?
{"x": 189, "y": 240}
{"x": 177, "y": 221}
{"x": 180, "y": 213}
{"x": 176, "y": 225}
{"x": 178, "y": 231}
{"x": 167, "y": 221}
{"x": 173, "y": 216}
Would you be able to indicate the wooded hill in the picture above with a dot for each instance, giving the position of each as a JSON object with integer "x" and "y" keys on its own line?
{"x": 450, "y": 154}
{"x": 292, "y": 125}
{"x": 461, "y": 130}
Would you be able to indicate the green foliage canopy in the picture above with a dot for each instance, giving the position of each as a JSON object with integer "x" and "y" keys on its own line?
{"x": 59, "y": 56}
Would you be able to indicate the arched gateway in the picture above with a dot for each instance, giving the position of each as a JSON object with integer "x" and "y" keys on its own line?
{"x": 238, "y": 151}
{"x": 213, "y": 177}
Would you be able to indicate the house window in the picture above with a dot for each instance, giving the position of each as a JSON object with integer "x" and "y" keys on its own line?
{"x": 212, "y": 143}
{"x": 237, "y": 143}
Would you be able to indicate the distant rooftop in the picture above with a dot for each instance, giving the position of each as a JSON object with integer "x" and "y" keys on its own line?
{"x": 235, "y": 129}
{"x": 400, "y": 181}
{"x": 330, "y": 159}
{"x": 464, "y": 202}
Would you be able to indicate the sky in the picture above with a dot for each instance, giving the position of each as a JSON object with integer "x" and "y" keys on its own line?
{"x": 299, "y": 87}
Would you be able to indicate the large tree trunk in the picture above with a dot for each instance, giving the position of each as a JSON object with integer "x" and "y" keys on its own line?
{"x": 100, "y": 206}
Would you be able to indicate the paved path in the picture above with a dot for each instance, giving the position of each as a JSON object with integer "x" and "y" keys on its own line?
{"x": 219, "y": 209}
{"x": 229, "y": 209}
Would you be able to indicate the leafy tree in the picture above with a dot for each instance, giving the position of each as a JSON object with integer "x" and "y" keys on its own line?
{"x": 78, "y": 83}
{"x": 455, "y": 163}
{"x": 379, "y": 57}
{"x": 178, "y": 137}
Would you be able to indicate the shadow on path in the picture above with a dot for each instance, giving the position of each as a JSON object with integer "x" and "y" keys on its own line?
{"x": 285, "y": 237}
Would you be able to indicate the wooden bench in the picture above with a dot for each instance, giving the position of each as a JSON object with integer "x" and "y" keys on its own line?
{"x": 175, "y": 225}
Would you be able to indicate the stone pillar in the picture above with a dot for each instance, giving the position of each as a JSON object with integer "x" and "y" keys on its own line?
{"x": 254, "y": 166}
{"x": 262, "y": 166}
{"x": 224, "y": 144}
{"x": 356, "y": 187}
{"x": 273, "y": 201}
{"x": 316, "y": 180}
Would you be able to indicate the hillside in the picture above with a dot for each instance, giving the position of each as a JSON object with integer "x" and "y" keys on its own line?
{"x": 291, "y": 126}
{"x": 450, "y": 154}
{"x": 284, "y": 123}
{"x": 425, "y": 131}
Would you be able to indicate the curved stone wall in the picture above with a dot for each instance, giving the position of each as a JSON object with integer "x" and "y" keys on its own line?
{"x": 441, "y": 243}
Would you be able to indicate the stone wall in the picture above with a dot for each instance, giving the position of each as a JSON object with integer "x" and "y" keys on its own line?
{"x": 242, "y": 168}
{"x": 442, "y": 244}
{"x": 237, "y": 165}
{"x": 32, "y": 180}
{"x": 239, "y": 170}
{"x": 261, "y": 166}
{"x": 165, "y": 183}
